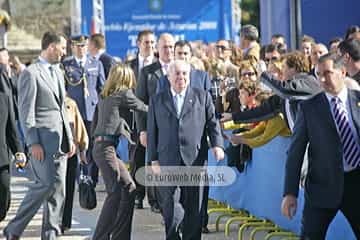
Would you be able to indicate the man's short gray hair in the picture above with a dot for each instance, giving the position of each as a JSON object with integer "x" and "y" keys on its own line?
{"x": 175, "y": 63}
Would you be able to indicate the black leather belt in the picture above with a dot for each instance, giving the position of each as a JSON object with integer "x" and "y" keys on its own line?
{"x": 112, "y": 139}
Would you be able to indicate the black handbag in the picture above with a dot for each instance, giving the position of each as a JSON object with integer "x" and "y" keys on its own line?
{"x": 87, "y": 194}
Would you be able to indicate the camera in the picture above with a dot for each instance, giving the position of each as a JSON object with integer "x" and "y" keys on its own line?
{"x": 20, "y": 162}
{"x": 229, "y": 83}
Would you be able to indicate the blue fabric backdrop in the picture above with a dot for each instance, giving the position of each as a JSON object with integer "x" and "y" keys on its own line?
{"x": 321, "y": 19}
{"x": 259, "y": 190}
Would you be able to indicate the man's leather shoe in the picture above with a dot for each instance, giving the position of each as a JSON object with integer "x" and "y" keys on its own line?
{"x": 63, "y": 229}
{"x": 155, "y": 209}
{"x": 139, "y": 204}
{"x": 10, "y": 236}
{"x": 205, "y": 230}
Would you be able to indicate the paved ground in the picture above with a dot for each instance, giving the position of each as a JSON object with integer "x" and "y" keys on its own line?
{"x": 146, "y": 225}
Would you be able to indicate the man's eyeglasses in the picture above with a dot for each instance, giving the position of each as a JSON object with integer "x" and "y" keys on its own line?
{"x": 248, "y": 74}
{"x": 267, "y": 60}
{"x": 223, "y": 48}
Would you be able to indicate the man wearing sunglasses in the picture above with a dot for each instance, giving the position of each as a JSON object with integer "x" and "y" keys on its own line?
{"x": 223, "y": 53}
{"x": 273, "y": 52}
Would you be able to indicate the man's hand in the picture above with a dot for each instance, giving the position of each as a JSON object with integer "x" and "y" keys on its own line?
{"x": 37, "y": 152}
{"x": 289, "y": 206}
{"x": 218, "y": 153}
{"x": 72, "y": 150}
{"x": 132, "y": 186}
{"x": 143, "y": 138}
{"x": 236, "y": 139}
{"x": 155, "y": 167}
{"x": 226, "y": 117}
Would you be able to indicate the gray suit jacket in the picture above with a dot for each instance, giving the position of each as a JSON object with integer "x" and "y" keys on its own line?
{"x": 173, "y": 140}
{"x": 42, "y": 109}
{"x": 302, "y": 86}
{"x": 112, "y": 114}
{"x": 325, "y": 180}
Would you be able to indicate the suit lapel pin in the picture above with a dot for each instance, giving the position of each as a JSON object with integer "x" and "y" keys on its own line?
{"x": 190, "y": 100}
{"x": 358, "y": 104}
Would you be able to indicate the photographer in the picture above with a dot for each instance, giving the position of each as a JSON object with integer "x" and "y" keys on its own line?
{"x": 223, "y": 88}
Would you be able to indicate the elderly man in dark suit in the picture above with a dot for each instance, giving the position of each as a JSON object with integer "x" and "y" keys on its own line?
{"x": 201, "y": 80}
{"x": 177, "y": 121}
{"x": 48, "y": 136}
{"x": 146, "y": 87}
{"x": 334, "y": 154}
{"x": 198, "y": 79}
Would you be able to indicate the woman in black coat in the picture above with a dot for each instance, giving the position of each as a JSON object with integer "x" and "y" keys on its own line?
{"x": 109, "y": 124}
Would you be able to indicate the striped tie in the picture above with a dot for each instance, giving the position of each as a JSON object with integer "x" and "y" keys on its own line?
{"x": 178, "y": 101}
{"x": 351, "y": 149}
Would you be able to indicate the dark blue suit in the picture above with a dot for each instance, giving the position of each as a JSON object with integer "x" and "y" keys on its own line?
{"x": 176, "y": 141}
{"x": 327, "y": 188}
{"x": 198, "y": 79}
{"x": 201, "y": 80}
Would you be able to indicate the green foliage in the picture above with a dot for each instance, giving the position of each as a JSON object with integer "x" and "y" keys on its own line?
{"x": 250, "y": 12}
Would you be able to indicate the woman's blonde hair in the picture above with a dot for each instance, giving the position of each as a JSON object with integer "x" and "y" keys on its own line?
{"x": 216, "y": 68}
{"x": 121, "y": 77}
{"x": 247, "y": 64}
{"x": 278, "y": 64}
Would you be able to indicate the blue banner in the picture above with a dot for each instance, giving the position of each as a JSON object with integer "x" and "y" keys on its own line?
{"x": 336, "y": 16}
{"x": 206, "y": 20}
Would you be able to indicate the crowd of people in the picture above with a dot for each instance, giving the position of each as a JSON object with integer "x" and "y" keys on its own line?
{"x": 173, "y": 102}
